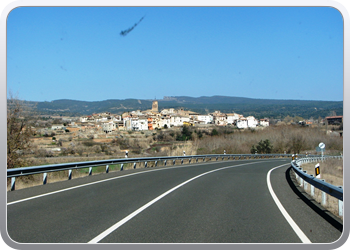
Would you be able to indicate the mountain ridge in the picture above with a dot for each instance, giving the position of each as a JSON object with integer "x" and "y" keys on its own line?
{"x": 260, "y": 108}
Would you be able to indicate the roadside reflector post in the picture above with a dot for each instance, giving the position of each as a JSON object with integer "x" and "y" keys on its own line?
{"x": 69, "y": 174}
{"x": 90, "y": 170}
{"x": 182, "y": 161}
{"x": 165, "y": 163}
{"x": 44, "y": 178}
{"x": 13, "y": 183}
{"x": 184, "y": 153}
{"x": 155, "y": 163}
{"x": 145, "y": 164}
{"x": 107, "y": 169}
{"x": 189, "y": 161}
{"x": 121, "y": 167}
{"x": 317, "y": 171}
{"x": 173, "y": 162}
{"x": 134, "y": 165}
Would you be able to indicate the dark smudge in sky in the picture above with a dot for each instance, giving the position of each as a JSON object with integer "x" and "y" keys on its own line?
{"x": 127, "y": 31}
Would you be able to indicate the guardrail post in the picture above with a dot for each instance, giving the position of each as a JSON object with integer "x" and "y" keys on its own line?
{"x": 340, "y": 206}
{"x": 121, "y": 167}
{"x": 13, "y": 183}
{"x": 312, "y": 188}
{"x": 44, "y": 178}
{"x": 305, "y": 183}
{"x": 107, "y": 169}
{"x": 324, "y": 197}
{"x": 69, "y": 174}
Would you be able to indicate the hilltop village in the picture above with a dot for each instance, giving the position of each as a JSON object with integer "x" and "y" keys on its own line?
{"x": 153, "y": 119}
{"x": 152, "y": 132}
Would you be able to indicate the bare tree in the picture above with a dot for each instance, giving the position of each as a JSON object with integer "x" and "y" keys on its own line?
{"x": 18, "y": 132}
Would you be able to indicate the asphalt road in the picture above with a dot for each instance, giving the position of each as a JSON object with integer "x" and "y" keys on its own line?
{"x": 214, "y": 202}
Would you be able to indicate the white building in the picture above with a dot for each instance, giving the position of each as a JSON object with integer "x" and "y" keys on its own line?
{"x": 242, "y": 123}
{"x": 219, "y": 118}
{"x": 178, "y": 120}
{"x": 139, "y": 124}
{"x": 117, "y": 118}
{"x": 252, "y": 122}
{"x": 264, "y": 122}
{"x": 57, "y": 126}
{"x": 108, "y": 127}
{"x": 205, "y": 118}
{"x": 232, "y": 118}
{"x": 83, "y": 119}
{"x": 165, "y": 120}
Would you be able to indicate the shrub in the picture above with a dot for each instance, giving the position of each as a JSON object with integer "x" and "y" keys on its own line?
{"x": 263, "y": 147}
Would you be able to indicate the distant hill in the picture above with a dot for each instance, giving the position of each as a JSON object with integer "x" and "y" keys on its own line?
{"x": 259, "y": 108}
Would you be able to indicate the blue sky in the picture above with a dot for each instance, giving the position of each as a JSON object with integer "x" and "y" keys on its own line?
{"x": 258, "y": 52}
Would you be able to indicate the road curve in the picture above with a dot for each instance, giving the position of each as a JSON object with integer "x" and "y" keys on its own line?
{"x": 214, "y": 202}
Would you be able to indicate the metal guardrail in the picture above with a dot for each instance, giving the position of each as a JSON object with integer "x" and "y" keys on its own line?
{"x": 44, "y": 169}
{"x": 330, "y": 189}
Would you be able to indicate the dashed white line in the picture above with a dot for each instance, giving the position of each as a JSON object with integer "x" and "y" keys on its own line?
{"x": 136, "y": 212}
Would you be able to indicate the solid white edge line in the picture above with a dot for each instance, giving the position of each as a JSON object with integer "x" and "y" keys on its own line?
{"x": 289, "y": 219}
{"x": 136, "y": 212}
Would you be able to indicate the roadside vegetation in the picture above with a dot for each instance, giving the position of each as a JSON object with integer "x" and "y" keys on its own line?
{"x": 32, "y": 142}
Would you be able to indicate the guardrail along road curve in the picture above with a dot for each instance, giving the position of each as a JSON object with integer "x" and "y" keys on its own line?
{"x": 231, "y": 201}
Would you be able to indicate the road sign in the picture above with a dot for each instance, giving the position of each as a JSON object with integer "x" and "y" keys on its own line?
{"x": 321, "y": 148}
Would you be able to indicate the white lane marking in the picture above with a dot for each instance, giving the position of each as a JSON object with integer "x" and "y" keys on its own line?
{"x": 289, "y": 219}
{"x": 96, "y": 182}
{"x": 136, "y": 212}
{"x": 79, "y": 186}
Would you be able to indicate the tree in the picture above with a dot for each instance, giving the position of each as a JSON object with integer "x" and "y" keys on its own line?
{"x": 263, "y": 147}
{"x": 18, "y": 132}
{"x": 186, "y": 134}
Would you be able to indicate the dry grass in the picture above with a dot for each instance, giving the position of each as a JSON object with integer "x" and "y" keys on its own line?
{"x": 332, "y": 172}
{"x": 289, "y": 139}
